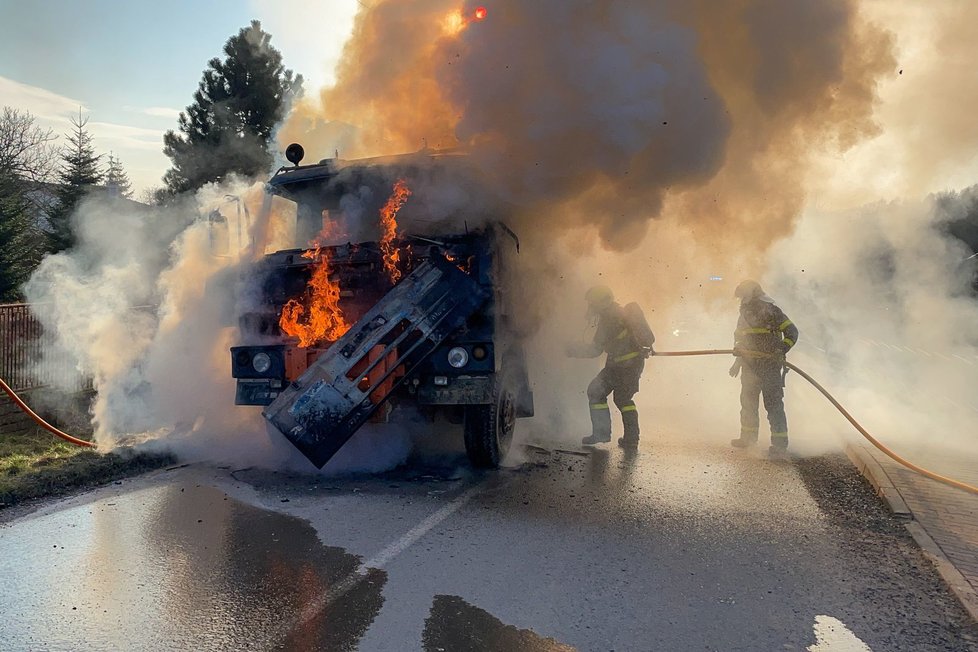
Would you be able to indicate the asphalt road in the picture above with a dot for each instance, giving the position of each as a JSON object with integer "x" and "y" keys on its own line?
{"x": 684, "y": 546}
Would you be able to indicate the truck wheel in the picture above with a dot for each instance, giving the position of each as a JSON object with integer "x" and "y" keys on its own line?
{"x": 489, "y": 428}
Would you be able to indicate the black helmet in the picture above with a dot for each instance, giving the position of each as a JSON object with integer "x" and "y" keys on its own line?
{"x": 748, "y": 290}
{"x": 599, "y": 296}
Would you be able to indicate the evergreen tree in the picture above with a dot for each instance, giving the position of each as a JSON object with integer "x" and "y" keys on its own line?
{"x": 18, "y": 237}
{"x": 78, "y": 174}
{"x": 237, "y": 104}
{"x": 26, "y": 160}
{"x": 116, "y": 179}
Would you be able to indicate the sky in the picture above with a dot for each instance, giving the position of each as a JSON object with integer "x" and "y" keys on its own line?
{"x": 133, "y": 66}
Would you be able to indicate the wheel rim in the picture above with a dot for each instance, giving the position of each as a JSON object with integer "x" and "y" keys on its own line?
{"x": 506, "y": 421}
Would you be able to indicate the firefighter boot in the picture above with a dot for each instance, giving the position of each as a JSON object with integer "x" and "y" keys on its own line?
{"x": 779, "y": 446}
{"x": 600, "y": 424}
{"x": 629, "y": 418}
{"x": 746, "y": 440}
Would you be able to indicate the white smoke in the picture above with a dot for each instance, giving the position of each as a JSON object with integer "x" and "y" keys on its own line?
{"x": 144, "y": 307}
{"x": 884, "y": 301}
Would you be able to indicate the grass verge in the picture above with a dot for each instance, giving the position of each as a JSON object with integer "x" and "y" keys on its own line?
{"x": 37, "y": 464}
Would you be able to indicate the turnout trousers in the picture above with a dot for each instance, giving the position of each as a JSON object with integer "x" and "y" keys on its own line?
{"x": 621, "y": 381}
{"x": 763, "y": 378}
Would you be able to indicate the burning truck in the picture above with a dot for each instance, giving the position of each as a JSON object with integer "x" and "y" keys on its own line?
{"x": 378, "y": 307}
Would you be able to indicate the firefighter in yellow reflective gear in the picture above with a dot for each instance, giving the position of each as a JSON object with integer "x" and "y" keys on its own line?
{"x": 764, "y": 335}
{"x": 626, "y": 339}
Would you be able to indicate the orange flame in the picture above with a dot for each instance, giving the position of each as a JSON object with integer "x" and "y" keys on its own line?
{"x": 388, "y": 221}
{"x": 316, "y": 316}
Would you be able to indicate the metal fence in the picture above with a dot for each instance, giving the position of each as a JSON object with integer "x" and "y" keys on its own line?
{"x": 23, "y": 364}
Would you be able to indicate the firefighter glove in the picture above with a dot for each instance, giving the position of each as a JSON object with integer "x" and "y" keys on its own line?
{"x": 735, "y": 369}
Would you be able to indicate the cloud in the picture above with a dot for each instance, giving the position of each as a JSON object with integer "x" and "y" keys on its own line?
{"x": 107, "y": 133}
{"x": 140, "y": 148}
{"x": 44, "y": 104}
{"x": 155, "y": 111}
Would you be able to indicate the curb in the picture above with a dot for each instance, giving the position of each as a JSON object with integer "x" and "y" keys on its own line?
{"x": 877, "y": 477}
{"x": 880, "y": 481}
{"x": 960, "y": 586}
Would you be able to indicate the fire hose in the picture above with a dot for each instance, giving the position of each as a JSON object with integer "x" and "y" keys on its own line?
{"x": 951, "y": 482}
{"x": 39, "y": 421}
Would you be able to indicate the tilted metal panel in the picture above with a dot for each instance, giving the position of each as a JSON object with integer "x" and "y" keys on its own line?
{"x": 324, "y": 407}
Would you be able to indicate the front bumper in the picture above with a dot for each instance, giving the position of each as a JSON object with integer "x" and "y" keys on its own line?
{"x": 459, "y": 390}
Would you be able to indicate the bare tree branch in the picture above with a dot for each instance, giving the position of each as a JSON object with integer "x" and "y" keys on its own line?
{"x": 26, "y": 150}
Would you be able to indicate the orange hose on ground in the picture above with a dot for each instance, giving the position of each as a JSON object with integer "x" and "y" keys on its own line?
{"x": 951, "y": 482}
{"x": 41, "y": 422}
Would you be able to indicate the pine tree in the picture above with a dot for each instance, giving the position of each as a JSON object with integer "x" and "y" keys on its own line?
{"x": 116, "y": 179}
{"x": 78, "y": 174}
{"x": 26, "y": 160}
{"x": 237, "y": 104}
{"x": 17, "y": 237}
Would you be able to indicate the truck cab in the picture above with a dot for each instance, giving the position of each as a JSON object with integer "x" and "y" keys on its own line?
{"x": 378, "y": 306}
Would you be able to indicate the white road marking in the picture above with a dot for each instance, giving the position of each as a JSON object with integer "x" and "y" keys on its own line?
{"x": 382, "y": 558}
{"x": 316, "y": 606}
{"x": 831, "y": 635}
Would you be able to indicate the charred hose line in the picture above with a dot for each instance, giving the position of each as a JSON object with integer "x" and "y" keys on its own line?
{"x": 951, "y": 482}
{"x": 39, "y": 421}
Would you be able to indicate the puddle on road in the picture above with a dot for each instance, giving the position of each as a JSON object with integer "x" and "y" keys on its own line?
{"x": 179, "y": 567}
{"x": 454, "y": 624}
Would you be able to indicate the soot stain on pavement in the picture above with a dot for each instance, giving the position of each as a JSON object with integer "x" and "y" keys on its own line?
{"x": 440, "y": 473}
{"x": 268, "y": 565}
{"x": 454, "y": 624}
{"x": 905, "y": 582}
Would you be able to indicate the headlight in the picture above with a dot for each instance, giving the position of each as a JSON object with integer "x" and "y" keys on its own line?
{"x": 458, "y": 357}
{"x": 261, "y": 362}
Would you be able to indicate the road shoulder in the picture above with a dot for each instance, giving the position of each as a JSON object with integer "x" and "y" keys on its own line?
{"x": 931, "y": 522}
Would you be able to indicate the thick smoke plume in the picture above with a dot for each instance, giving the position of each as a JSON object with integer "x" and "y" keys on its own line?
{"x": 598, "y": 114}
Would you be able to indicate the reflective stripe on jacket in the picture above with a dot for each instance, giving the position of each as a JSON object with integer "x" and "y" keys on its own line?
{"x": 614, "y": 338}
{"x": 763, "y": 327}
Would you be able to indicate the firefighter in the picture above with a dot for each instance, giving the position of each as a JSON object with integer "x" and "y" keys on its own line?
{"x": 764, "y": 335}
{"x": 624, "y": 336}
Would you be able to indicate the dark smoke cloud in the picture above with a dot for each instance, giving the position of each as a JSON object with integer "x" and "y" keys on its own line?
{"x": 601, "y": 113}
{"x": 602, "y": 99}
{"x": 800, "y": 80}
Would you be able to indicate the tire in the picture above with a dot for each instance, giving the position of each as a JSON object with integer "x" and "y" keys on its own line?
{"x": 489, "y": 428}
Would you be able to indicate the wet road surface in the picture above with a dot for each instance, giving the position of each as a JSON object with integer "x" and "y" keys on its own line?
{"x": 683, "y": 546}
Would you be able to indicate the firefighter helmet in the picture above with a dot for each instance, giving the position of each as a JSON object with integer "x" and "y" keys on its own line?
{"x": 599, "y": 296}
{"x": 748, "y": 289}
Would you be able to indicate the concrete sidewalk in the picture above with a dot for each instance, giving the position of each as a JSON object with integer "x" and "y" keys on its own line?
{"x": 943, "y": 520}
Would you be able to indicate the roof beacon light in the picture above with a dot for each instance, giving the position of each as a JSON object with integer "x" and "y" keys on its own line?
{"x": 294, "y": 153}
{"x": 480, "y": 13}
